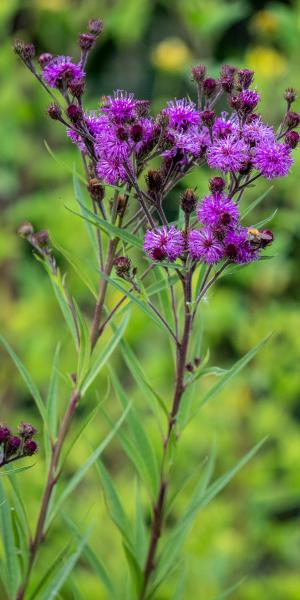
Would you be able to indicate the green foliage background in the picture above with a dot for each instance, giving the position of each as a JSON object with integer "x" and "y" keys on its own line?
{"x": 252, "y": 529}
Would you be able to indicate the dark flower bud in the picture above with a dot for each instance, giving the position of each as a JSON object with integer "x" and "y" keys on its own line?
{"x": 121, "y": 204}
{"x": 267, "y": 237}
{"x": 25, "y": 229}
{"x": 26, "y": 430}
{"x": 292, "y": 139}
{"x": 198, "y": 73}
{"x": 96, "y": 190}
{"x": 44, "y": 59}
{"x": 136, "y": 132}
{"x": 227, "y": 78}
{"x": 75, "y": 113}
{"x": 4, "y": 433}
{"x": 54, "y": 112}
{"x": 122, "y": 133}
{"x": 217, "y": 184}
{"x": 189, "y": 367}
{"x": 25, "y": 51}
{"x": 30, "y": 448}
{"x": 210, "y": 86}
{"x": 41, "y": 238}
{"x": 142, "y": 108}
{"x": 12, "y": 445}
{"x": 208, "y": 117}
{"x": 86, "y": 41}
{"x": 122, "y": 266}
{"x": 188, "y": 201}
{"x": 95, "y": 26}
{"x": 245, "y": 77}
{"x": 290, "y": 95}
{"x": 154, "y": 180}
{"x": 197, "y": 361}
{"x": 292, "y": 119}
{"x": 235, "y": 103}
{"x": 77, "y": 87}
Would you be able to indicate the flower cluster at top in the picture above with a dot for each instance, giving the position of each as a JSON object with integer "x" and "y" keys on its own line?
{"x": 121, "y": 137}
{"x": 13, "y": 447}
{"x": 221, "y": 236}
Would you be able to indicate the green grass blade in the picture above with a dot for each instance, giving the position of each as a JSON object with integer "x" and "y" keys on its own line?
{"x": 12, "y": 566}
{"x": 114, "y": 505}
{"x": 51, "y": 402}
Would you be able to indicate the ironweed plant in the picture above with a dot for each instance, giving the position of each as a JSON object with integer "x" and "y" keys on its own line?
{"x": 132, "y": 161}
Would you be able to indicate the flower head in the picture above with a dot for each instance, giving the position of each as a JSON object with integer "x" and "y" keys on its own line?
{"x": 164, "y": 242}
{"x": 203, "y": 245}
{"x": 61, "y": 70}
{"x": 218, "y": 211}
{"x": 237, "y": 247}
{"x": 182, "y": 113}
{"x": 121, "y": 107}
{"x": 272, "y": 159}
{"x": 228, "y": 154}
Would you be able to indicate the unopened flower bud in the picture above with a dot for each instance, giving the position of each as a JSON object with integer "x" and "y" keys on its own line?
{"x": 210, "y": 86}
{"x": 122, "y": 266}
{"x": 25, "y": 51}
{"x": 30, "y": 447}
{"x": 292, "y": 139}
{"x": 188, "y": 201}
{"x": 77, "y": 87}
{"x": 217, "y": 184}
{"x": 198, "y": 73}
{"x": 75, "y": 113}
{"x": 227, "y": 78}
{"x": 95, "y": 26}
{"x": 25, "y": 229}
{"x": 4, "y": 433}
{"x": 86, "y": 41}
{"x": 54, "y": 112}
{"x": 154, "y": 180}
{"x": 41, "y": 238}
{"x": 26, "y": 430}
{"x": 292, "y": 119}
{"x": 44, "y": 59}
{"x": 96, "y": 190}
{"x": 290, "y": 95}
{"x": 136, "y": 132}
{"x": 142, "y": 108}
{"x": 245, "y": 77}
{"x": 13, "y": 444}
{"x": 121, "y": 203}
{"x": 208, "y": 117}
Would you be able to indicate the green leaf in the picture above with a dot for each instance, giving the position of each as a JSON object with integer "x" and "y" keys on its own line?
{"x": 140, "y": 534}
{"x": 114, "y": 505}
{"x": 77, "y": 267}
{"x": 264, "y": 222}
{"x": 142, "y": 447}
{"x": 78, "y": 476}
{"x": 32, "y": 388}
{"x": 237, "y": 367}
{"x": 255, "y": 203}
{"x": 49, "y": 571}
{"x": 94, "y": 561}
{"x": 231, "y": 589}
{"x": 84, "y": 348}
{"x": 109, "y": 228}
{"x": 12, "y": 567}
{"x": 59, "y": 579}
{"x": 65, "y": 304}
{"x": 81, "y": 200}
{"x": 100, "y": 358}
{"x": 51, "y": 402}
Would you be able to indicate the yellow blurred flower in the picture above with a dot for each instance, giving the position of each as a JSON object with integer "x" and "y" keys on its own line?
{"x": 172, "y": 54}
{"x": 52, "y": 4}
{"x": 265, "y": 22}
{"x": 266, "y": 62}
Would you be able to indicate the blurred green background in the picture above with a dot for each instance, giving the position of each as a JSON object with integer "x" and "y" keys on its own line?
{"x": 148, "y": 46}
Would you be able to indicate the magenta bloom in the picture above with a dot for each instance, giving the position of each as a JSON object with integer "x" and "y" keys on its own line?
{"x": 61, "y": 70}
{"x": 182, "y": 113}
{"x": 204, "y": 246}
{"x": 121, "y": 107}
{"x": 218, "y": 211}
{"x": 248, "y": 99}
{"x": 228, "y": 154}
{"x": 111, "y": 170}
{"x": 272, "y": 159}
{"x": 223, "y": 127}
{"x": 164, "y": 242}
{"x": 237, "y": 247}
{"x": 256, "y": 131}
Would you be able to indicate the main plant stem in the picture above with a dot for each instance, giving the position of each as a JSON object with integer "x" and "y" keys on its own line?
{"x": 52, "y": 478}
{"x": 159, "y": 505}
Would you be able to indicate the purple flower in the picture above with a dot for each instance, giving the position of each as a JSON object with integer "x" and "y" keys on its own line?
{"x": 204, "y": 246}
{"x": 228, "y": 154}
{"x": 272, "y": 159}
{"x": 111, "y": 170}
{"x": 182, "y": 113}
{"x": 164, "y": 242}
{"x": 121, "y": 107}
{"x": 218, "y": 211}
{"x": 223, "y": 127}
{"x": 256, "y": 131}
{"x": 237, "y": 247}
{"x": 248, "y": 99}
{"x": 61, "y": 70}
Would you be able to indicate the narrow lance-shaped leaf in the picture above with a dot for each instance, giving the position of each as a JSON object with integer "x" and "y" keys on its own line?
{"x": 12, "y": 567}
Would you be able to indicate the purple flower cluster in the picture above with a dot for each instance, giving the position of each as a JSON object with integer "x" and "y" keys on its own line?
{"x": 221, "y": 236}
{"x": 13, "y": 447}
{"x": 61, "y": 71}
